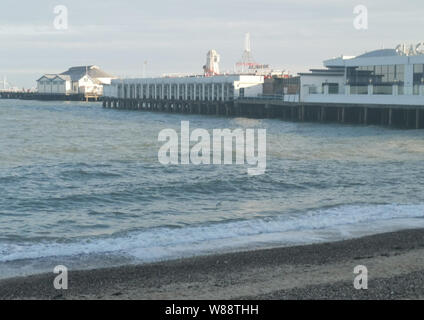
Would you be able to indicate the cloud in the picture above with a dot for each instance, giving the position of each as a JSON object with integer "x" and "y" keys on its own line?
{"x": 25, "y": 30}
{"x": 174, "y": 36}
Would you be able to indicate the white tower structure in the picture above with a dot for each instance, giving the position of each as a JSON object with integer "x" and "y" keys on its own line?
{"x": 247, "y": 62}
{"x": 212, "y": 63}
{"x": 4, "y": 83}
{"x": 247, "y": 43}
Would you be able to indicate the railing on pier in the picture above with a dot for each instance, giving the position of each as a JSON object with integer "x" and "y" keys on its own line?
{"x": 273, "y": 97}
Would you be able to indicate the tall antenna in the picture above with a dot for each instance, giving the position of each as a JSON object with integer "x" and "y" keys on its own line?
{"x": 247, "y": 61}
{"x": 247, "y": 42}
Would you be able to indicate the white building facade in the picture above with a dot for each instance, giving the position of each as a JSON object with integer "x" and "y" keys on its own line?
{"x": 54, "y": 84}
{"x": 76, "y": 80}
{"x": 214, "y": 88}
{"x": 387, "y": 76}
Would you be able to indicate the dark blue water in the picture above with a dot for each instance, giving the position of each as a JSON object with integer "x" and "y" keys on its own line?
{"x": 82, "y": 185}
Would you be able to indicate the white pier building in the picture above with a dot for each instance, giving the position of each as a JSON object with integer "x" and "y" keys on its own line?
{"x": 190, "y": 88}
{"x": 386, "y": 76}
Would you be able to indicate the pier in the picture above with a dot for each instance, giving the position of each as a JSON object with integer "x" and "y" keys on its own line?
{"x": 406, "y": 117}
{"x": 48, "y": 97}
{"x": 397, "y": 116}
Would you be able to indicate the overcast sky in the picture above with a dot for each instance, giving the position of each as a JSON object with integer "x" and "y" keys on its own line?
{"x": 174, "y": 36}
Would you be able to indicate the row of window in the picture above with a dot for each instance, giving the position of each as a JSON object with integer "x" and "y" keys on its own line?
{"x": 48, "y": 83}
{"x": 377, "y": 89}
{"x": 382, "y": 89}
{"x": 418, "y": 74}
{"x": 52, "y": 85}
{"x": 193, "y": 91}
{"x": 381, "y": 74}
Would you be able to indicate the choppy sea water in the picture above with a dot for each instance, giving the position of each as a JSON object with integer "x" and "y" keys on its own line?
{"x": 82, "y": 186}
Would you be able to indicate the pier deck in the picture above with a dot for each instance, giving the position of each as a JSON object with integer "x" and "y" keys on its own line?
{"x": 48, "y": 97}
{"x": 409, "y": 117}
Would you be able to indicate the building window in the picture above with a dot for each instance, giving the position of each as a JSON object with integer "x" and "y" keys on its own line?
{"x": 312, "y": 89}
{"x": 359, "y": 89}
{"x": 382, "y": 77}
{"x": 418, "y": 77}
{"x": 333, "y": 88}
{"x": 241, "y": 92}
{"x": 383, "y": 89}
{"x": 400, "y": 73}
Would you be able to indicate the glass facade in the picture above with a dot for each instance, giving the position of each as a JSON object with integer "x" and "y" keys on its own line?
{"x": 418, "y": 77}
{"x": 333, "y": 88}
{"x": 359, "y": 89}
{"x": 312, "y": 90}
{"x": 382, "y": 77}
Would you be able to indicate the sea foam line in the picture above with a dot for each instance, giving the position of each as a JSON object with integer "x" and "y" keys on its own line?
{"x": 163, "y": 243}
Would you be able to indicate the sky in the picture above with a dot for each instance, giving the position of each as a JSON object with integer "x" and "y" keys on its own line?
{"x": 174, "y": 36}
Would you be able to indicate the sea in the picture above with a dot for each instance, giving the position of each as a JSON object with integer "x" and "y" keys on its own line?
{"x": 81, "y": 186}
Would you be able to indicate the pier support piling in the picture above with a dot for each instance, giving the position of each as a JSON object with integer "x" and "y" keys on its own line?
{"x": 365, "y": 115}
{"x": 407, "y": 116}
{"x": 322, "y": 115}
{"x": 390, "y": 117}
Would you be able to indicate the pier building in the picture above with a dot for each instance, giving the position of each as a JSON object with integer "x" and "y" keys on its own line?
{"x": 386, "y": 76}
{"x": 194, "y": 88}
{"x": 83, "y": 80}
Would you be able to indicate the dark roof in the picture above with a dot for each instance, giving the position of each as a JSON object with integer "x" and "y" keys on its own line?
{"x": 76, "y": 73}
{"x": 380, "y": 53}
{"x": 327, "y": 74}
{"x": 329, "y": 70}
{"x": 64, "y": 77}
{"x": 332, "y": 71}
{"x": 48, "y": 76}
{"x": 54, "y": 76}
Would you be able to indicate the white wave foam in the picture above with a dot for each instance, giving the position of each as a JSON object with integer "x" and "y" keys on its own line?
{"x": 165, "y": 243}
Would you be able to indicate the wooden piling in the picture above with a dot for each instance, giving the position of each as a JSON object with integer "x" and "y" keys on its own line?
{"x": 322, "y": 115}
{"x": 405, "y": 116}
{"x": 365, "y": 115}
{"x": 390, "y": 116}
